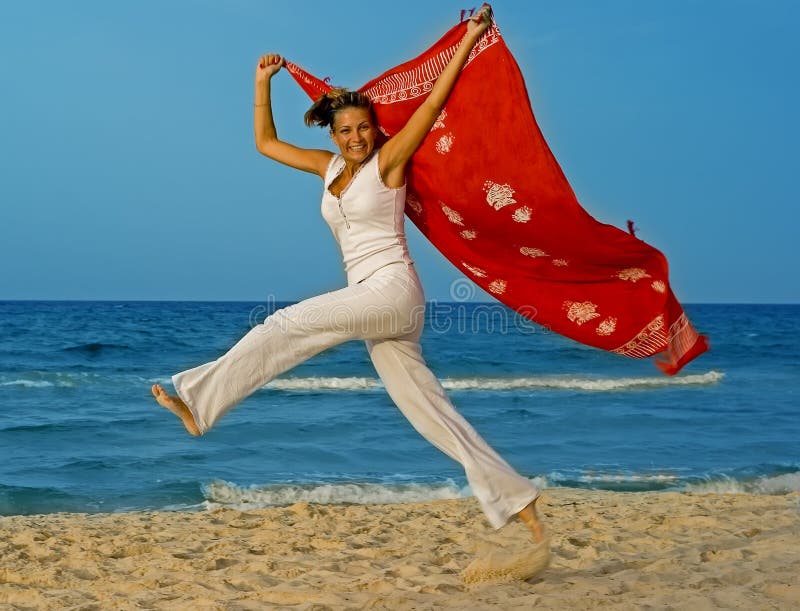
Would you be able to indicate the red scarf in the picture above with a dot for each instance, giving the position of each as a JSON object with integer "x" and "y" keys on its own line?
{"x": 485, "y": 189}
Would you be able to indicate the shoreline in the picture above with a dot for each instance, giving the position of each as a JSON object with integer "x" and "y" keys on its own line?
{"x": 619, "y": 549}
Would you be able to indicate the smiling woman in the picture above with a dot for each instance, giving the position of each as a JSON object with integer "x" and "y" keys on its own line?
{"x": 363, "y": 202}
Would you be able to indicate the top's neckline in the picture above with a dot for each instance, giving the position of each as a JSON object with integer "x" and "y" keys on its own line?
{"x": 339, "y": 173}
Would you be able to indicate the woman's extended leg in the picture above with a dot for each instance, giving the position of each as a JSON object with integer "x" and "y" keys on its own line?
{"x": 385, "y": 304}
{"x": 500, "y": 490}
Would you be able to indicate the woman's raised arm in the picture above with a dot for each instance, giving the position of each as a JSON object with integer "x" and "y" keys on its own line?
{"x": 267, "y": 141}
{"x": 399, "y": 149}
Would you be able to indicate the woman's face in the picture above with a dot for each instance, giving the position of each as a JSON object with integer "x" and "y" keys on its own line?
{"x": 354, "y": 133}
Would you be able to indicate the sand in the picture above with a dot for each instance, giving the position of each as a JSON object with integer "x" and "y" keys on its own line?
{"x": 608, "y": 549}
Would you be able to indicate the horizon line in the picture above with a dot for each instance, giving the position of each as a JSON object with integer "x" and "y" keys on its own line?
{"x": 250, "y": 301}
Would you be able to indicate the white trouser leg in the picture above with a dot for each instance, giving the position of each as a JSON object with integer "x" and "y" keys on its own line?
{"x": 500, "y": 490}
{"x": 388, "y": 304}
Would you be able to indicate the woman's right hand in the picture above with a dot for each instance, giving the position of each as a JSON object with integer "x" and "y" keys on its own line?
{"x": 268, "y": 65}
{"x": 480, "y": 21}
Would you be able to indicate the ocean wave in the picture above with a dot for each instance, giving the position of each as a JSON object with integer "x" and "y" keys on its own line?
{"x": 46, "y": 427}
{"x": 95, "y": 348}
{"x": 504, "y": 384}
{"x": 775, "y": 484}
{"x": 28, "y": 383}
{"x": 49, "y": 379}
{"x": 325, "y": 383}
{"x": 44, "y": 379}
{"x": 580, "y": 383}
{"x": 625, "y": 478}
{"x": 220, "y": 493}
{"x": 72, "y": 379}
{"x": 618, "y": 481}
{"x": 23, "y": 500}
{"x": 672, "y": 481}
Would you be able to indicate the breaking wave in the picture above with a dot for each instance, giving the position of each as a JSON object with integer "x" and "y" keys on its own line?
{"x": 502, "y": 384}
{"x": 220, "y": 493}
{"x": 785, "y": 483}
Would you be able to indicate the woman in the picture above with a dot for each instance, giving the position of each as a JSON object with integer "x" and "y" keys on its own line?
{"x": 363, "y": 201}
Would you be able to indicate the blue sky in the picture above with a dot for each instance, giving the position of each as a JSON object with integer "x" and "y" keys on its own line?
{"x": 128, "y": 170}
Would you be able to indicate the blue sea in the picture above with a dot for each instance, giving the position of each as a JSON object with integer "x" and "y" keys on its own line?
{"x": 80, "y": 432}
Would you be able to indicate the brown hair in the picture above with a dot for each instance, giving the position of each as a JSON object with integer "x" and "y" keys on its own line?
{"x": 325, "y": 108}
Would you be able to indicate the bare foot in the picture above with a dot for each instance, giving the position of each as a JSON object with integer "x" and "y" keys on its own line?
{"x": 531, "y": 520}
{"x": 177, "y": 407}
{"x": 507, "y": 564}
{"x": 521, "y": 562}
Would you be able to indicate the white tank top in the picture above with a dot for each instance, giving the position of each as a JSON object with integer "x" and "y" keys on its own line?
{"x": 367, "y": 220}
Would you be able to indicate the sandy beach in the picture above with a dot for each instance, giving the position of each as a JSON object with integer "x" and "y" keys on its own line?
{"x": 609, "y": 549}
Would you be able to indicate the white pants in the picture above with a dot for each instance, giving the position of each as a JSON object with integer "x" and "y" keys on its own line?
{"x": 388, "y": 311}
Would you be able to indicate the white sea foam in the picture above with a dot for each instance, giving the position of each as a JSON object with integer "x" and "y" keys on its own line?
{"x": 629, "y": 478}
{"x": 28, "y": 383}
{"x": 325, "y": 383}
{"x": 540, "y": 482}
{"x": 580, "y": 383}
{"x": 48, "y": 379}
{"x": 225, "y": 494}
{"x": 776, "y": 484}
{"x": 501, "y": 384}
